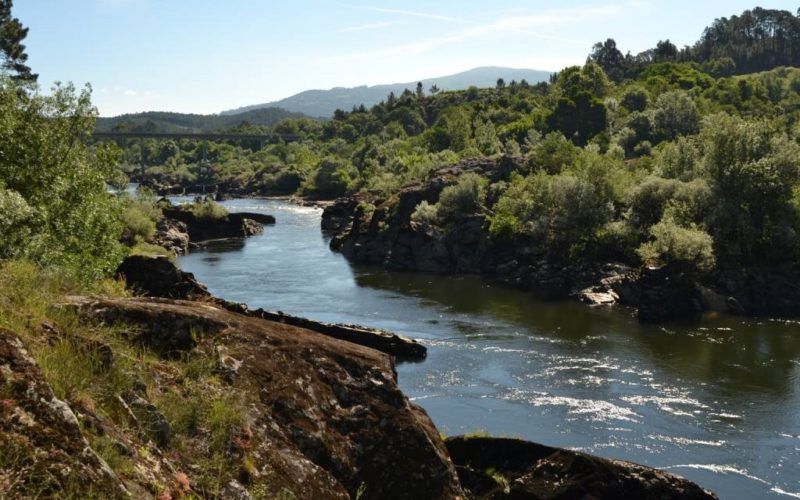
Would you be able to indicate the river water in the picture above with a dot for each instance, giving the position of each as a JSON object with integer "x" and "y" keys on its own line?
{"x": 717, "y": 401}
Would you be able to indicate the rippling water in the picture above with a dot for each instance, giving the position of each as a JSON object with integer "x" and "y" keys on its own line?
{"x": 717, "y": 402}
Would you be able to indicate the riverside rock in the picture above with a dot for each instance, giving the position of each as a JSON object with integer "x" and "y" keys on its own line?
{"x": 199, "y": 229}
{"x": 327, "y": 414}
{"x": 369, "y": 229}
{"x": 159, "y": 277}
{"x": 498, "y": 468}
{"x": 42, "y": 443}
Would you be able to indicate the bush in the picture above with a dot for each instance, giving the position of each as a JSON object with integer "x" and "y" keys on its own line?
{"x": 562, "y": 212}
{"x": 425, "y": 213}
{"x": 635, "y": 99}
{"x": 15, "y": 223}
{"x": 676, "y": 114}
{"x": 139, "y": 218}
{"x": 673, "y": 244}
{"x": 333, "y": 177}
{"x": 46, "y": 162}
{"x": 465, "y": 197}
{"x": 208, "y": 209}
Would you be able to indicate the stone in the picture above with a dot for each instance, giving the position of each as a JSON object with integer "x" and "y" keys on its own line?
{"x": 157, "y": 276}
{"x": 526, "y": 470}
{"x": 326, "y": 416}
{"x": 43, "y": 435}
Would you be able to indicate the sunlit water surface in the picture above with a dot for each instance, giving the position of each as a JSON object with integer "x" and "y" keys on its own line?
{"x": 717, "y": 402}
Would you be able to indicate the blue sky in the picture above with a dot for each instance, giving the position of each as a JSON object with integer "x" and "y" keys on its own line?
{"x": 207, "y": 56}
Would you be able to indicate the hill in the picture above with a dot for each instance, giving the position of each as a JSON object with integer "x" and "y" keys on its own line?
{"x": 160, "y": 121}
{"x": 322, "y": 103}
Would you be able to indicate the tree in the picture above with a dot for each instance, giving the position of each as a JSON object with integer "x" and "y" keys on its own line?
{"x": 610, "y": 58}
{"x": 420, "y": 91}
{"x": 434, "y": 89}
{"x": 754, "y": 171}
{"x": 73, "y": 222}
{"x": 665, "y": 51}
{"x": 579, "y": 118}
{"x": 12, "y": 33}
{"x": 501, "y": 84}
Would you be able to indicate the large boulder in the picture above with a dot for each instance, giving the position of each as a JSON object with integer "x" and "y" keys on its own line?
{"x": 232, "y": 225}
{"x": 328, "y": 417}
{"x": 159, "y": 277}
{"x": 172, "y": 235}
{"x": 498, "y": 468}
{"x": 667, "y": 294}
{"x": 42, "y": 448}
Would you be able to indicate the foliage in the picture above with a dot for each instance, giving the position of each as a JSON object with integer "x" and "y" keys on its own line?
{"x": 674, "y": 244}
{"x": 12, "y": 51}
{"x": 465, "y": 197}
{"x": 207, "y": 209}
{"x": 425, "y": 213}
{"x": 70, "y": 219}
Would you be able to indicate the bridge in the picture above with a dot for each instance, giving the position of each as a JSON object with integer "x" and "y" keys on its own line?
{"x": 200, "y": 136}
{"x": 205, "y": 137}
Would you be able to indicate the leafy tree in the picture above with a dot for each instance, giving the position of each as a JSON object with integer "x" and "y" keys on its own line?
{"x": 675, "y": 115}
{"x": 608, "y": 56}
{"x": 754, "y": 171}
{"x": 72, "y": 221}
{"x": 12, "y": 34}
{"x": 466, "y": 196}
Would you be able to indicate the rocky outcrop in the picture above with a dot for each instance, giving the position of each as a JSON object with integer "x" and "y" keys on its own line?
{"x": 667, "y": 294}
{"x": 371, "y": 230}
{"x": 257, "y": 217}
{"x": 172, "y": 235}
{"x": 159, "y": 277}
{"x": 377, "y": 232}
{"x": 232, "y": 225}
{"x": 42, "y": 448}
{"x": 328, "y": 417}
{"x": 400, "y": 347}
{"x": 498, "y": 468}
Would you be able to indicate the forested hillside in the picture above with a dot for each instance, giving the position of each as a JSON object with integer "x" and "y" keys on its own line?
{"x": 674, "y": 161}
{"x": 322, "y": 103}
{"x": 161, "y": 121}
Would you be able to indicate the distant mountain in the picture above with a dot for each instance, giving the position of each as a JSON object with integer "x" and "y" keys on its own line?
{"x": 322, "y": 103}
{"x": 160, "y": 121}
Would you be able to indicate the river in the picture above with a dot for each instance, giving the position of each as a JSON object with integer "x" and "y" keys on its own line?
{"x": 716, "y": 401}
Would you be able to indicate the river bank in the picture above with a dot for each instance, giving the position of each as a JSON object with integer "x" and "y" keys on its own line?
{"x": 375, "y": 230}
{"x": 689, "y": 397}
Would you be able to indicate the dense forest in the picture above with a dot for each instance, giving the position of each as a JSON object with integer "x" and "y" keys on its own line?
{"x": 668, "y": 155}
{"x": 162, "y": 121}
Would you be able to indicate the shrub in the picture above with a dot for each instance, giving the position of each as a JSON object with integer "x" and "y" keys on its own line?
{"x": 208, "y": 209}
{"x": 676, "y": 114}
{"x": 333, "y": 177}
{"x": 563, "y": 212}
{"x": 673, "y": 244}
{"x": 465, "y": 197}
{"x": 425, "y": 213}
{"x": 47, "y": 163}
{"x": 635, "y": 99}
{"x": 15, "y": 223}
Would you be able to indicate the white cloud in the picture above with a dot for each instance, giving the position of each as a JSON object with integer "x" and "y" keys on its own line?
{"x": 529, "y": 25}
{"x": 412, "y": 13}
{"x": 365, "y": 27}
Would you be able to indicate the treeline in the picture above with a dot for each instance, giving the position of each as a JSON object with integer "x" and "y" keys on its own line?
{"x": 162, "y": 121}
{"x": 757, "y": 40}
{"x": 675, "y": 163}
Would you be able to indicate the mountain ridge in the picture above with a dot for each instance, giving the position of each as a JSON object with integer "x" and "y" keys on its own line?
{"x": 321, "y": 103}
